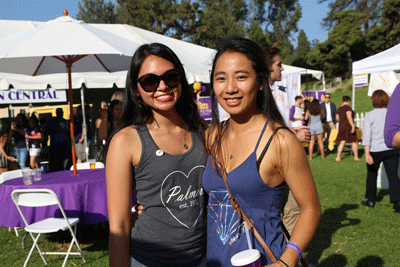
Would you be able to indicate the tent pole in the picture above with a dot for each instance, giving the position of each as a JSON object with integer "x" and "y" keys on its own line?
{"x": 84, "y": 125}
{"x": 354, "y": 96}
{"x": 71, "y": 115}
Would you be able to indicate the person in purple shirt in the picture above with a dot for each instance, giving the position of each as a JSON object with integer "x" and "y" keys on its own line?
{"x": 296, "y": 112}
{"x": 392, "y": 123}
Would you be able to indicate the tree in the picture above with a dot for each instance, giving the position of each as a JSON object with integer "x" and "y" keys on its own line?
{"x": 346, "y": 43}
{"x": 96, "y": 11}
{"x": 276, "y": 19}
{"x": 303, "y": 45}
{"x": 387, "y": 34}
{"x": 303, "y": 48}
{"x": 370, "y": 8}
{"x": 219, "y": 19}
{"x": 174, "y": 18}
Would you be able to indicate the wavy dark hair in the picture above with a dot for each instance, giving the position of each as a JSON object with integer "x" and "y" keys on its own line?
{"x": 23, "y": 118}
{"x": 315, "y": 108}
{"x": 265, "y": 100}
{"x": 136, "y": 112}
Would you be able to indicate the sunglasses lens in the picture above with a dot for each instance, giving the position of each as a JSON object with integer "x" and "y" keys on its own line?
{"x": 172, "y": 78}
{"x": 150, "y": 82}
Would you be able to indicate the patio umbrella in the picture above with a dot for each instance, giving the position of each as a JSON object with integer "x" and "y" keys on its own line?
{"x": 65, "y": 45}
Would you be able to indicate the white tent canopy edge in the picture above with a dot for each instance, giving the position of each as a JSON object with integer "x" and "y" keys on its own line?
{"x": 383, "y": 61}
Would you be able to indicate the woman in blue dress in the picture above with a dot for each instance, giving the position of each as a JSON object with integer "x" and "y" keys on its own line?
{"x": 258, "y": 171}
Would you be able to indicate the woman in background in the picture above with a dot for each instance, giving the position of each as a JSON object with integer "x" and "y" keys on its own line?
{"x": 257, "y": 161}
{"x": 314, "y": 115}
{"x": 347, "y": 129}
{"x": 6, "y": 132}
{"x": 109, "y": 119}
{"x": 20, "y": 143}
{"x": 34, "y": 137}
{"x": 376, "y": 152}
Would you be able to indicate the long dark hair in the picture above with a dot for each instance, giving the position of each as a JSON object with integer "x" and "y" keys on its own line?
{"x": 315, "y": 108}
{"x": 136, "y": 112}
{"x": 265, "y": 100}
{"x": 23, "y": 118}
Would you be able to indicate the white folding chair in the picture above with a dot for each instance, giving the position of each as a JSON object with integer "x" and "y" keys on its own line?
{"x": 86, "y": 166}
{"x": 8, "y": 176}
{"x": 40, "y": 198}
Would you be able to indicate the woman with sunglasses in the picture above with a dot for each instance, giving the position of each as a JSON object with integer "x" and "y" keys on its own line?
{"x": 157, "y": 149}
{"x": 257, "y": 158}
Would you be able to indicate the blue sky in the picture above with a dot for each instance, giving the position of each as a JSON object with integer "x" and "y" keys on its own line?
{"x": 44, "y": 10}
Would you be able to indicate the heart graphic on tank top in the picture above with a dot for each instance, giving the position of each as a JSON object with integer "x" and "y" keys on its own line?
{"x": 180, "y": 196}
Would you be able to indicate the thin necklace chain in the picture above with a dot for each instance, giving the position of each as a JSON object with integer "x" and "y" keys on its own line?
{"x": 230, "y": 130}
{"x": 184, "y": 145}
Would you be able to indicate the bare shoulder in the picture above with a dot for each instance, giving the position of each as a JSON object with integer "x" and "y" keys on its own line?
{"x": 126, "y": 143}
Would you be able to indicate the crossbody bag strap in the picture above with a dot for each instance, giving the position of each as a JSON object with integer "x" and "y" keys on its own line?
{"x": 241, "y": 214}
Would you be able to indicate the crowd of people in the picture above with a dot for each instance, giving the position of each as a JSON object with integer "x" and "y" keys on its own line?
{"x": 24, "y": 141}
{"x": 322, "y": 117}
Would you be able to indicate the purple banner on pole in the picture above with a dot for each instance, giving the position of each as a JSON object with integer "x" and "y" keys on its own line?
{"x": 204, "y": 105}
{"x": 310, "y": 96}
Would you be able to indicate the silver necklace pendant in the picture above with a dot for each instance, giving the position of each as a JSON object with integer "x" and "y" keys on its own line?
{"x": 231, "y": 156}
{"x": 185, "y": 146}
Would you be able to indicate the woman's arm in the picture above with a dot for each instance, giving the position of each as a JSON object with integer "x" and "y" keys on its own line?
{"x": 337, "y": 117}
{"x": 349, "y": 116}
{"x": 322, "y": 114}
{"x": 306, "y": 116}
{"x": 119, "y": 175}
{"x": 297, "y": 175}
{"x": 103, "y": 129}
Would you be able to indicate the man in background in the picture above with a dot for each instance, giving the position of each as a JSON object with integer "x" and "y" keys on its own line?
{"x": 290, "y": 210}
{"x": 329, "y": 109}
{"x": 60, "y": 149}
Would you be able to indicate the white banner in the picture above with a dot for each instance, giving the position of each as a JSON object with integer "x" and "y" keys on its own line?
{"x": 385, "y": 80}
{"x": 40, "y": 96}
{"x": 360, "y": 80}
{"x": 285, "y": 91}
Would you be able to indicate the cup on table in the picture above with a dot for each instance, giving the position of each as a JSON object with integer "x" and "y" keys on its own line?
{"x": 92, "y": 164}
{"x": 37, "y": 174}
{"x": 44, "y": 166}
{"x": 27, "y": 176}
{"x": 247, "y": 258}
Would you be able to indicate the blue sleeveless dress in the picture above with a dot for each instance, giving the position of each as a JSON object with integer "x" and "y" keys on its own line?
{"x": 261, "y": 202}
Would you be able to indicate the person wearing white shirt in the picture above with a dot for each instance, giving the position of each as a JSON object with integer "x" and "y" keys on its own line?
{"x": 329, "y": 109}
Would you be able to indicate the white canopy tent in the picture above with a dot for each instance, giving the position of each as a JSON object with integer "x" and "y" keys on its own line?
{"x": 383, "y": 61}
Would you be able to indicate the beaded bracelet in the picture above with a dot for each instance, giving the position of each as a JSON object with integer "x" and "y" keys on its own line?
{"x": 295, "y": 247}
{"x": 283, "y": 262}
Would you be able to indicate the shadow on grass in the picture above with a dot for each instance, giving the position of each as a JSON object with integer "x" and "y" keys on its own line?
{"x": 381, "y": 194}
{"x": 93, "y": 237}
{"x": 335, "y": 260}
{"x": 370, "y": 261}
{"x": 332, "y": 220}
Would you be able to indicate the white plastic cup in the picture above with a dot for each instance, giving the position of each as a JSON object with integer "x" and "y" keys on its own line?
{"x": 247, "y": 258}
{"x": 37, "y": 174}
{"x": 92, "y": 164}
{"x": 27, "y": 176}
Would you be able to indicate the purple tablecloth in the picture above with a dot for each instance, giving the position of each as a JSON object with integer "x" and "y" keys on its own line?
{"x": 83, "y": 196}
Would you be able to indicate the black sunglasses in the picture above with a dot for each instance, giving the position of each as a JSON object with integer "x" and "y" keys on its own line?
{"x": 149, "y": 82}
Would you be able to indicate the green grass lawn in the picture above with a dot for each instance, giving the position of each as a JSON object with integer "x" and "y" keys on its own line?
{"x": 363, "y": 102}
{"x": 348, "y": 234}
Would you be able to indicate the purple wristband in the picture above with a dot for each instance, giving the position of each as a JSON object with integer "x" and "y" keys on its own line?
{"x": 295, "y": 247}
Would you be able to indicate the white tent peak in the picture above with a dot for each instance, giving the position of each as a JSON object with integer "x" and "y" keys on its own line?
{"x": 65, "y": 19}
